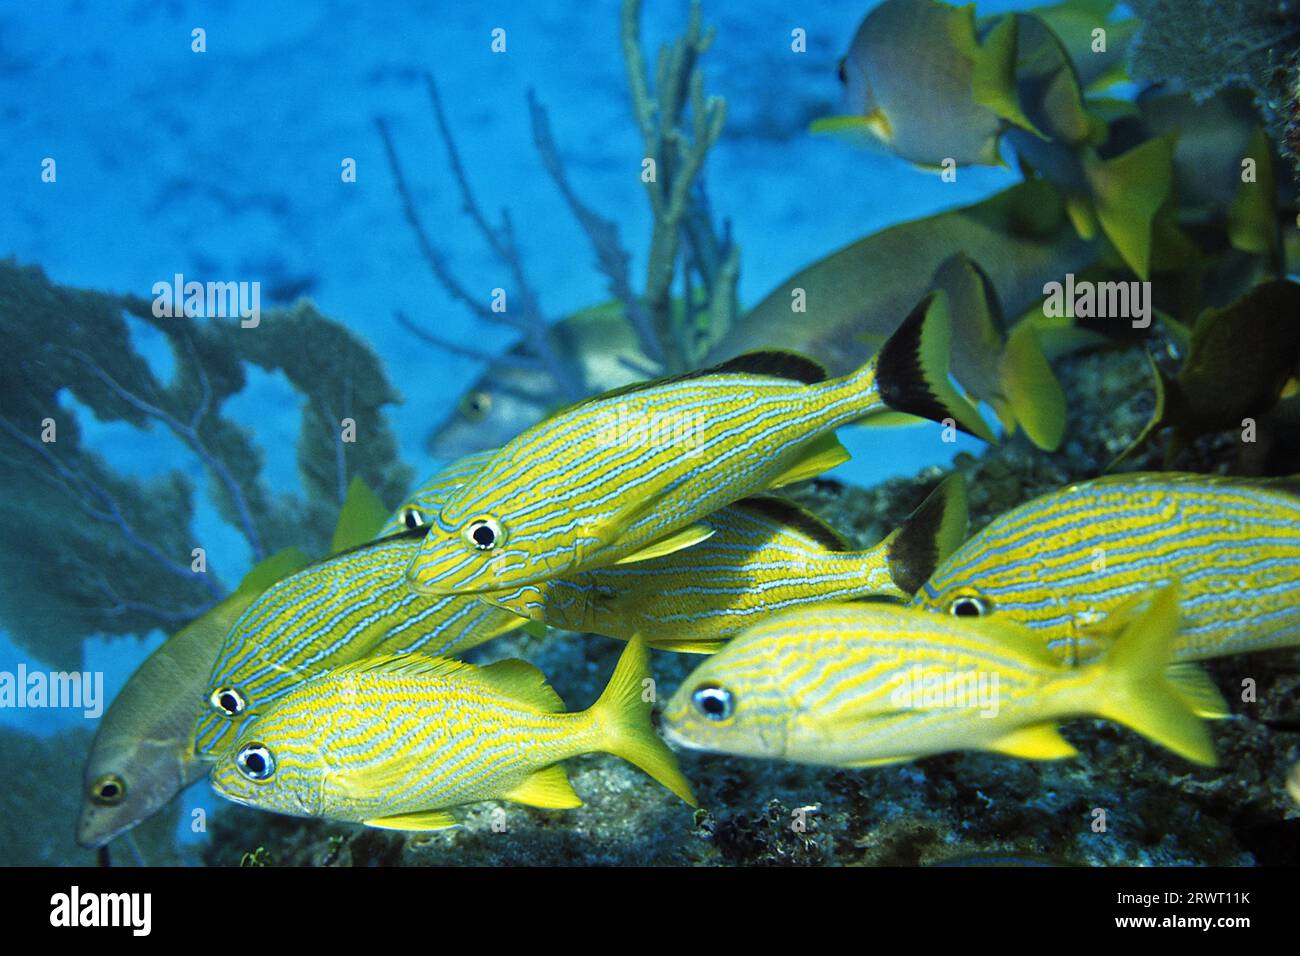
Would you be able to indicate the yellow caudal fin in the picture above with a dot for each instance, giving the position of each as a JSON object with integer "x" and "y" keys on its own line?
{"x": 1135, "y": 689}
{"x": 623, "y": 715}
{"x": 1031, "y": 389}
{"x": 911, "y": 370}
{"x": 927, "y": 536}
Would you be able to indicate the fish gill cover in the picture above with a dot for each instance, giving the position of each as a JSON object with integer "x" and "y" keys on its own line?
{"x": 1117, "y": 287}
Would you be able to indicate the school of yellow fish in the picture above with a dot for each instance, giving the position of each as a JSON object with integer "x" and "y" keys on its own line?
{"x": 651, "y": 514}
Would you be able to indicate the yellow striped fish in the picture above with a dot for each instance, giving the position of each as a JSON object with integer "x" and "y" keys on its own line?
{"x": 394, "y": 742}
{"x": 766, "y": 555}
{"x": 628, "y": 475}
{"x": 858, "y": 684}
{"x": 345, "y": 607}
{"x": 1061, "y": 563}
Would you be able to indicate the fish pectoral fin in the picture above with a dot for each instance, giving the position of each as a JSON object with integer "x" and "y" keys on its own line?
{"x": 820, "y": 456}
{"x": 548, "y": 788}
{"x": 422, "y": 821}
{"x": 1035, "y": 742}
{"x": 677, "y": 541}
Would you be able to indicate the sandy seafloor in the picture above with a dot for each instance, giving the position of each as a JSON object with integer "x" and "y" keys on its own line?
{"x": 226, "y": 164}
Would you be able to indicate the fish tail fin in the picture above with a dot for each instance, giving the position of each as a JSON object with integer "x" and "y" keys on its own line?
{"x": 1136, "y": 691}
{"x": 1036, "y": 398}
{"x": 623, "y": 715}
{"x": 927, "y": 536}
{"x": 911, "y": 369}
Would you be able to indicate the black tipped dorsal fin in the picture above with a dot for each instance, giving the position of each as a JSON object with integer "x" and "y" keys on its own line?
{"x": 785, "y": 512}
{"x": 774, "y": 363}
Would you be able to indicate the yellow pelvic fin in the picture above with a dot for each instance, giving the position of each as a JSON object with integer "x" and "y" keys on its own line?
{"x": 548, "y": 788}
{"x": 1031, "y": 388}
{"x": 882, "y": 761}
{"x": 622, "y": 715}
{"x": 687, "y": 646}
{"x": 1198, "y": 691}
{"x": 423, "y": 820}
{"x": 678, "y": 540}
{"x": 1035, "y": 742}
{"x": 1134, "y": 688}
{"x": 820, "y": 456}
{"x": 524, "y": 682}
{"x": 874, "y": 124}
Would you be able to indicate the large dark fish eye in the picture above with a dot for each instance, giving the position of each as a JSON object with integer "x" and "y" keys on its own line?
{"x": 968, "y": 605}
{"x": 484, "y": 533}
{"x": 713, "y": 702}
{"x": 412, "y": 518}
{"x": 109, "y": 790}
{"x": 255, "y": 761}
{"x": 228, "y": 700}
{"x": 476, "y": 405}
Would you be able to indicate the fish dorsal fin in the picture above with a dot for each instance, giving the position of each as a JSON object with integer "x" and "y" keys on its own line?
{"x": 928, "y": 535}
{"x": 524, "y": 682}
{"x": 409, "y": 664}
{"x": 424, "y": 820}
{"x": 784, "y": 512}
{"x": 1035, "y": 742}
{"x": 772, "y": 364}
{"x": 818, "y": 457}
{"x": 677, "y": 541}
{"x": 548, "y": 788}
{"x": 361, "y": 517}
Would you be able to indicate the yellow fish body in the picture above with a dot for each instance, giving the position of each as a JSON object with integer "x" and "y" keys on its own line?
{"x": 856, "y": 684}
{"x": 1062, "y": 563}
{"x": 766, "y": 555}
{"x": 394, "y": 742}
{"x": 627, "y": 476}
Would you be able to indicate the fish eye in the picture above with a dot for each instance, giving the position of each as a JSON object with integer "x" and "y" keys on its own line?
{"x": 255, "y": 761}
{"x": 968, "y": 605}
{"x": 228, "y": 700}
{"x": 109, "y": 790}
{"x": 713, "y": 702}
{"x": 476, "y": 405}
{"x": 412, "y": 518}
{"x": 484, "y": 533}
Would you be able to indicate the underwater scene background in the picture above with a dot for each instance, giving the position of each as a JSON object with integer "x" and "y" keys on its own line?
{"x": 434, "y": 227}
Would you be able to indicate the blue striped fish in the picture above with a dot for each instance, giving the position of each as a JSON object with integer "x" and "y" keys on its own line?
{"x": 394, "y": 742}
{"x": 865, "y": 683}
{"x": 629, "y": 475}
{"x": 350, "y": 605}
{"x": 766, "y": 554}
{"x": 1060, "y": 564}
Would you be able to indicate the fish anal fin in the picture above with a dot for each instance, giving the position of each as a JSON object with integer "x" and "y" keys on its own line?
{"x": 548, "y": 788}
{"x": 424, "y": 820}
{"x": 1035, "y": 742}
